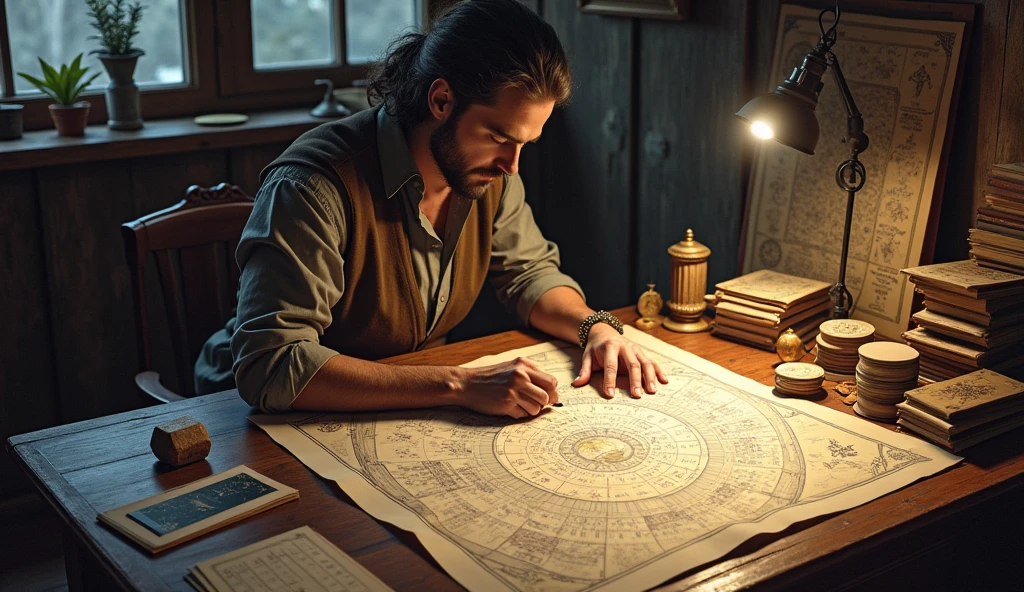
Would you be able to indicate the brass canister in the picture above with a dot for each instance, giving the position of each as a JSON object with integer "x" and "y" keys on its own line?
{"x": 689, "y": 283}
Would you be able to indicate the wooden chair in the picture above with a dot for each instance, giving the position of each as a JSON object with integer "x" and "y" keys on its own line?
{"x": 193, "y": 243}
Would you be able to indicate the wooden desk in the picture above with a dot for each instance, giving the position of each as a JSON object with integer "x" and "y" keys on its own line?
{"x": 958, "y": 530}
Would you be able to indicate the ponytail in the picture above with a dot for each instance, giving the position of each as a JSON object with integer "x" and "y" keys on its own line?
{"x": 390, "y": 81}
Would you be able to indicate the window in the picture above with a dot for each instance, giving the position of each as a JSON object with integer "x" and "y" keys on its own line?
{"x": 203, "y": 55}
{"x": 58, "y": 30}
{"x": 371, "y": 24}
{"x": 290, "y": 43}
{"x": 293, "y": 33}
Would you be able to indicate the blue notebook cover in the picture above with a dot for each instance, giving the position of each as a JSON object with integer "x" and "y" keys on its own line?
{"x": 189, "y": 508}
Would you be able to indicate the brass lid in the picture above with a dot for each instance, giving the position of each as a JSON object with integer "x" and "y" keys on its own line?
{"x": 689, "y": 249}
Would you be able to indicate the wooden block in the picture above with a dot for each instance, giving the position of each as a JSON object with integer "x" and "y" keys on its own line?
{"x": 181, "y": 441}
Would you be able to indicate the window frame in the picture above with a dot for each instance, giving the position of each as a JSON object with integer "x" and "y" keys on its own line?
{"x": 218, "y": 66}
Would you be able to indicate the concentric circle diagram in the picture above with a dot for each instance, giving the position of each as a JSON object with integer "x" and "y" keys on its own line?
{"x": 610, "y": 453}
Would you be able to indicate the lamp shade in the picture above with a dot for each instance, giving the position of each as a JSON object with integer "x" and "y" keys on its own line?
{"x": 790, "y": 119}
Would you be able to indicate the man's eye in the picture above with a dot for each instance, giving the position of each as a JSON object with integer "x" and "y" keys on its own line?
{"x": 498, "y": 140}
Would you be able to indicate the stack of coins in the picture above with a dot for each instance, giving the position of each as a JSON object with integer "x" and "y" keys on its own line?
{"x": 798, "y": 379}
{"x": 838, "y": 341}
{"x": 885, "y": 373}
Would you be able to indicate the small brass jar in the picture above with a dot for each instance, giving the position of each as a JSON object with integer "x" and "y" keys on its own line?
{"x": 689, "y": 282}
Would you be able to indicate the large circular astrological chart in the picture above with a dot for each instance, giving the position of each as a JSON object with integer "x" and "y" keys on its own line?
{"x": 606, "y": 452}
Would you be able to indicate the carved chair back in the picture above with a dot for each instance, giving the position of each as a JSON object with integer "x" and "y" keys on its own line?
{"x": 193, "y": 244}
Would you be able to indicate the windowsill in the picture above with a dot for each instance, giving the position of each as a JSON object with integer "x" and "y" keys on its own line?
{"x": 167, "y": 136}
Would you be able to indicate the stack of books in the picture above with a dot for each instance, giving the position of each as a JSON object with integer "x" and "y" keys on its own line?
{"x": 758, "y": 307}
{"x": 963, "y": 411}
{"x": 969, "y": 320}
{"x": 998, "y": 240}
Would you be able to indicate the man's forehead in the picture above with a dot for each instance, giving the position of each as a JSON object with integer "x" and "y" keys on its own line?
{"x": 514, "y": 115}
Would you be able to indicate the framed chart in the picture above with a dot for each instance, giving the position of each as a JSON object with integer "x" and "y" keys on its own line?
{"x": 904, "y": 75}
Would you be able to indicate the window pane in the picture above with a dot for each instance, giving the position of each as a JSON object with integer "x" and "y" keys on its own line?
{"x": 371, "y": 24}
{"x": 57, "y": 31}
{"x": 291, "y": 33}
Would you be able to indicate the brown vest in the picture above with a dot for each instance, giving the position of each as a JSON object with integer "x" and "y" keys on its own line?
{"x": 381, "y": 313}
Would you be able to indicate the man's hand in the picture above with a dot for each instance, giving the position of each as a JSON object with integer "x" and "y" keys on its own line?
{"x": 517, "y": 388}
{"x": 608, "y": 350}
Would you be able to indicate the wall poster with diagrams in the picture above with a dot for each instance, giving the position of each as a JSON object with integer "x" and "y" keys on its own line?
{"x": 597, "y": 494}
{"x": 902, "y": 75}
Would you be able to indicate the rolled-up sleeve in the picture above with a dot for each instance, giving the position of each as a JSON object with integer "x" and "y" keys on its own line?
{"x": 524, "y": 265}
{"x": 291, "y": 276}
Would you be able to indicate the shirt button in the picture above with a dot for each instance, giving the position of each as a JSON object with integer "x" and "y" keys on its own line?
{"x": 443, "y": 298}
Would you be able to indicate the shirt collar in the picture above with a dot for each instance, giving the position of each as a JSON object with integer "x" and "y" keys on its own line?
{"x": 397, "y": 166}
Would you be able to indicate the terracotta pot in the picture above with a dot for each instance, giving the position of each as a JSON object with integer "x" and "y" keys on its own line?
{"x": 70, "y": 119}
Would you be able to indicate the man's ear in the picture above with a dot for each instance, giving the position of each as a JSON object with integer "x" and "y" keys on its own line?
{"x": 441, "y": 99}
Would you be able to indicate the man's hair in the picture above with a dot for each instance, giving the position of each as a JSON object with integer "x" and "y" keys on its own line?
{"x": 480, "y": 47}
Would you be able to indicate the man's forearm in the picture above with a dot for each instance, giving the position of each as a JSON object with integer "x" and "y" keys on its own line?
{"x": 559, "y": 312}
{"x": 344, "y": 383}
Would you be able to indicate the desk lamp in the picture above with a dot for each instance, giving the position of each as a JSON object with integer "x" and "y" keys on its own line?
{"x": 787, "y": 116}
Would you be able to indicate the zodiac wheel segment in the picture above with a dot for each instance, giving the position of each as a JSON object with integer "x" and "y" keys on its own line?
{"x": 613, "y": 453}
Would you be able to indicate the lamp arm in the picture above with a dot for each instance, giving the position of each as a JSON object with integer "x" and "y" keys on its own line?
{"x": 854, "y": 121}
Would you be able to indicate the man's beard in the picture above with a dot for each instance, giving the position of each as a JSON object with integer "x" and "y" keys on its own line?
{"x": 452, "y": 162}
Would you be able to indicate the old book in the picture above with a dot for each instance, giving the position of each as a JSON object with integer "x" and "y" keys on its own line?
{"x": 983, "y": 391}
{"x": 184, "y": 513}
{"x": 1011, "y": 171}
{"x": 977, "y": 334}
{"x": 946, "y": 428}
{"x": 1004, "y": 204}
{"x": 778, "y": 311}
{"x": 1002, "y": 241}
{"x": 741, "y": 336}
{"x": 1000, "y": 228}
{"x": 982, "y": 305}
{"x": 300, "y": 559}
{"x": 1001, "y": 215}
{"x": 967, "y": 278}
{"x": 997, "y": 264}
{"x": 1000, "y": 319}
{"x": 958, "y": 351}
{"x": 958, "y": 444}
{"x": 772, "y": 287}
{"x": 802, "y": 328}
{"x": 763, "y": 319}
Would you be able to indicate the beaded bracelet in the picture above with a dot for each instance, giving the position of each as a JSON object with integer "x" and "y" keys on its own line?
{"x": 598, "y": 317}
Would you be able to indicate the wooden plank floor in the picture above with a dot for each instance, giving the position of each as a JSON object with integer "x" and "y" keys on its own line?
{"x": 31, "y": 551}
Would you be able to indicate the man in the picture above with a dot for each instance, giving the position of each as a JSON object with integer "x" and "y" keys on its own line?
{"x": 372, "y": 236}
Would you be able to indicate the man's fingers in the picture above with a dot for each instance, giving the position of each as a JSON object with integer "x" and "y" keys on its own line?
{"x": 534, "y": 394}
{"x": 544, "y": 380}
{"x": 529, "y": 406}
{"x": 636, "y": 388}
{"x": 611, "y": 369}
{"x": 650, "y": 372}
{"x": 584, "y": 375}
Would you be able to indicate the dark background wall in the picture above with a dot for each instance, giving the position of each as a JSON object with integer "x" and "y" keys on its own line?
{"x": 647, "y": 149}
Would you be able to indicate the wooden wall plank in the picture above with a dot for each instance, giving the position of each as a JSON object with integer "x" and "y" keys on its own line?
{"x": 245, "y": 164}
{"x": 1010, "y": 146}
{"x": 584, "y": 204}
{"x": 27, "y": 395}
{"x": 83, "y": 206}
{"x": 157, "y": 183}
{"x": 691, "y": 147}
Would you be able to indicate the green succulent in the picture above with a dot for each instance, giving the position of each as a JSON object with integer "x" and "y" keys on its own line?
{"x": 117, "y": 24}
{"x": 65, "y": 85}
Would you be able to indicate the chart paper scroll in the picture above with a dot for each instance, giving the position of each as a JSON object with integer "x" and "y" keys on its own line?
{"x": 598, "y": 494}
{"x": 902, "y": 75}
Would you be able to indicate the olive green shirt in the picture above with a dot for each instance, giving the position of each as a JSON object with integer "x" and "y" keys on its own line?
{"x": 291, "y": 254}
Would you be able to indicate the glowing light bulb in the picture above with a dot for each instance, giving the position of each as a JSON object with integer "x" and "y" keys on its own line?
{"x": 762, "y": 130}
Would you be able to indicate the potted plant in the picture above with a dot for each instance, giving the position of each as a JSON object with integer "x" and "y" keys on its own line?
{"x": 118, "y": 24}
{"x": 65, "y": 86}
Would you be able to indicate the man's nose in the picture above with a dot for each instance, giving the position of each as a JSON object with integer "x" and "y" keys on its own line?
{"x": 509, "y": 163}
